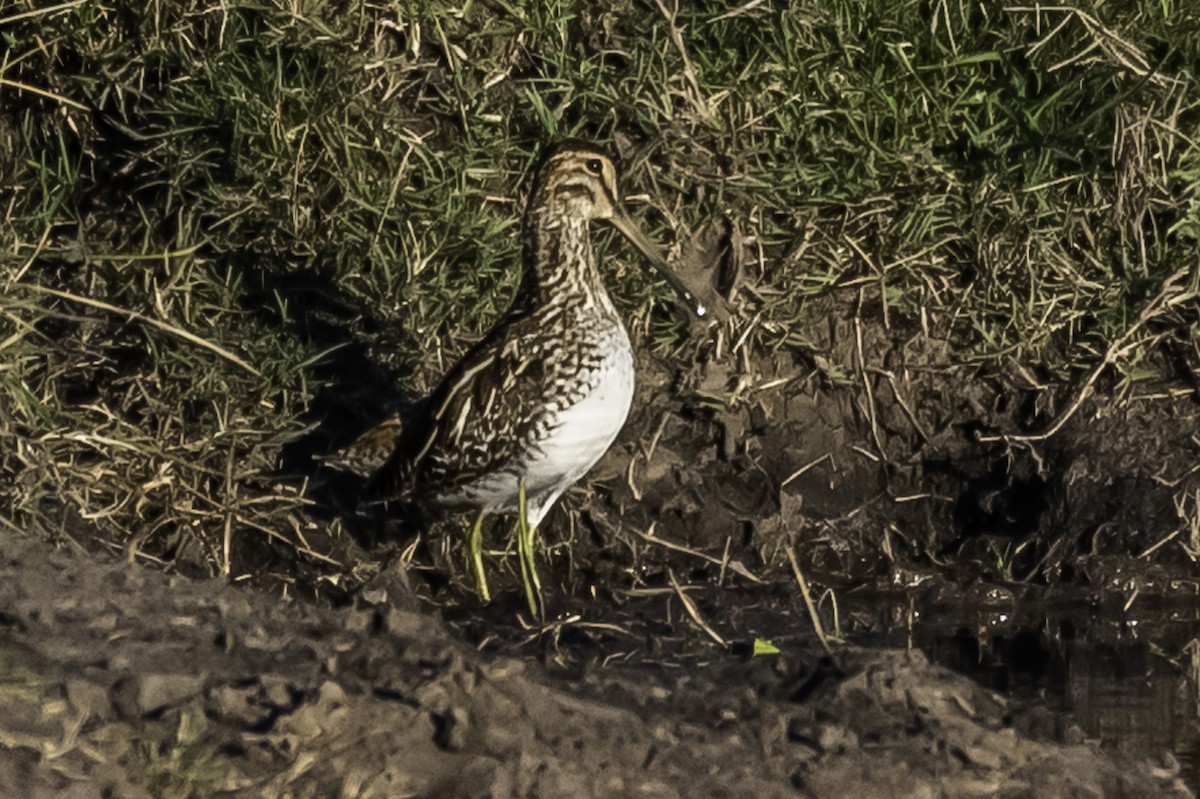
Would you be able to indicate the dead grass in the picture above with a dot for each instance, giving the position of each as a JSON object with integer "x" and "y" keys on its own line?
{"x": 210, "y": 208}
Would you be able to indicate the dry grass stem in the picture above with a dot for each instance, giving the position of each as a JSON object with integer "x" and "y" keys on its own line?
{"x": 813, "y": 614}
{"x": 694, "y": 612}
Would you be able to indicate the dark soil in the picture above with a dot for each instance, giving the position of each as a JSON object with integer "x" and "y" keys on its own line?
{"x": 119, "y": 681}
{"x": 874, "y": 462}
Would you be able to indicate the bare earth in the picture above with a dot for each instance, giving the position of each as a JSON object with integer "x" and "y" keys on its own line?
{"x": 118, "y": 681}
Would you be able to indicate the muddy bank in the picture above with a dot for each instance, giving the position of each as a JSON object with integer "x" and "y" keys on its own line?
{"x": 123, "y": 682}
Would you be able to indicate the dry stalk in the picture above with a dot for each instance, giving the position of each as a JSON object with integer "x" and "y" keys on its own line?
{"x": 1167, "y": 297}
{"x": 140, "y": 317}
{"x": 694, "y": 611}
{"x": 734, "y": 566}
{"x": 813, "y": 614}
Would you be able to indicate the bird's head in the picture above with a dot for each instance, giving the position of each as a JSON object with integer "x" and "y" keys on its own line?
{"x": 579, "y": 180}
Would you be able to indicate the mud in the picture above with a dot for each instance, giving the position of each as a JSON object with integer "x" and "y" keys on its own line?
{"x": 119, "y": 681}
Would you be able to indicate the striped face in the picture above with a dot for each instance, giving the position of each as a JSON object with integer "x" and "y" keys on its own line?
{"x": 580, "y": 183}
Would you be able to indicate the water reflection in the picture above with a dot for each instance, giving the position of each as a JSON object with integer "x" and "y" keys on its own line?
{"x": 1129, "y": 681}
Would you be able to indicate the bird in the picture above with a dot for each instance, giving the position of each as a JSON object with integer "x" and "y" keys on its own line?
{"x": 532, "y": 406}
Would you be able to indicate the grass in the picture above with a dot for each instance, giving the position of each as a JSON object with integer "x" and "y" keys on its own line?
{"x": 179, "y": 763}
{"x": 293, "y": 186}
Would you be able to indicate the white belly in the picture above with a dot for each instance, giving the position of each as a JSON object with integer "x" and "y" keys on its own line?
{"x": 584, "y": 431}
{"x": 577, "y": 437}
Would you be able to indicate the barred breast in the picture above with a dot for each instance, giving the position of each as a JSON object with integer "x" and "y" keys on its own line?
{"x": 579, "y": 434}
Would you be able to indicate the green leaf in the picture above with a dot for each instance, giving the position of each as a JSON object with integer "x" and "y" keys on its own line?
{"x": 764, "y": 647}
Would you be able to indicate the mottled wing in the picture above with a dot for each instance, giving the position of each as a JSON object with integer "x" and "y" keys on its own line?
{"x": 477, "y": 419}
{"x": 367, "y": 453}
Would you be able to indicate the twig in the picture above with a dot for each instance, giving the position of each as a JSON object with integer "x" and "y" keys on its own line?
{"x": 745, "y": 8}
{"x": 231, "y": 502}
{"x": 134, "y": 315}
{"x": 25, "y": 87}
{"x": 808, "y": 601}
{"x": 734, "y": 566}
{"x": 828, "y": 456}
{"x": 872, "y": 413}
{"x": 689, "y": 72}
{"x": 41, "y": 245}
{"x": 912, "y": 417}
{"x": 629, "y": 480}
{"x": 658, "y": 431}
{"x": 1160, "y": 543}
{"x": 693, "y": 611}
{"x": 42, "y": 11}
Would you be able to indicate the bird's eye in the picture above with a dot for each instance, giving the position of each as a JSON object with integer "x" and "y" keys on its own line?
{"x": 594, "y": 166}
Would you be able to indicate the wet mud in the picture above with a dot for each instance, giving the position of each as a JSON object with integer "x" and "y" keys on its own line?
{"x": 119, "y": 681}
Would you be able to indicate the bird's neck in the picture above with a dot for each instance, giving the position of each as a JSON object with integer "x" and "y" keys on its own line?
{"x": 558, "y": 261}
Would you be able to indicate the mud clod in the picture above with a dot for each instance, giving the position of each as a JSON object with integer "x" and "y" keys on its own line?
{"x": 306, "y": 715}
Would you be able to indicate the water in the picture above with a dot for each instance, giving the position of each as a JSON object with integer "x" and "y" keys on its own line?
{"x": 1128, "y": 680}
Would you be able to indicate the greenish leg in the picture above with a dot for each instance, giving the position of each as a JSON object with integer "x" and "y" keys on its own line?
{"x": 475, "y": 549}
{"x": 525, "y": 551}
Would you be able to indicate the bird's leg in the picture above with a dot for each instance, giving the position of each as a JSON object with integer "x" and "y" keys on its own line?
{"x": 475, "y": 554}
{"x": 525, "y": 551}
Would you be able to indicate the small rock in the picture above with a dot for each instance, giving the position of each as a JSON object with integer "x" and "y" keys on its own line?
{"x": 374, "y": 595}
{"x": 982, "y": 755}
{"x": 87, "y": 698}
{"x": 467, "y": 680}
{"x": 237, "y": 706}
{"x": 142, "y": 694}
{"x": 836, "y": 737}
{"x": 434, "y": 697}
{"x": 105, "y": 622}
{"x": 330, "y": 694}
{"x": 1074, "y": 736}
{"x": 409, "y": 623}
{"x": 799, "y": 731}
{"x": 361, "y": 621}
{"x": 450, "y": 729}
{"x": 277, "y": 692}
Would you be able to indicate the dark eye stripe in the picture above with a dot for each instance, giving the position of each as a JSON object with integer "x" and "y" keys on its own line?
{"x": 609, "y": 191}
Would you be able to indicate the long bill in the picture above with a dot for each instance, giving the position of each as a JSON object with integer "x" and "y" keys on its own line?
{"x": 629, "y": 229}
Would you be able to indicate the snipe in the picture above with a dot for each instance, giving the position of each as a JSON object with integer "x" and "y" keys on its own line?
{"x": 536, "y": 402}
